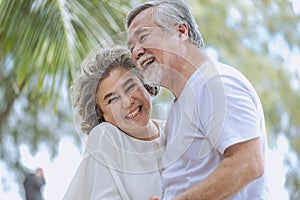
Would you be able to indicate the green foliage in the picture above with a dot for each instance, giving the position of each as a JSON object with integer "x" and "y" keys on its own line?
{"x": 48, "y": 39}
{"x": 43, "y": 42}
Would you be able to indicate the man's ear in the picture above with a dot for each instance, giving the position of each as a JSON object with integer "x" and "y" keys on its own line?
{"x": 182, "y": 30}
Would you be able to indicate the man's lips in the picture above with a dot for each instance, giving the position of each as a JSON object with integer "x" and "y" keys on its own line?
{"x": 145, "y": 60}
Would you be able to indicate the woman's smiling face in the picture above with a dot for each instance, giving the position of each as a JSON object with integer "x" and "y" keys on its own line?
{"x": 124, "y": 101}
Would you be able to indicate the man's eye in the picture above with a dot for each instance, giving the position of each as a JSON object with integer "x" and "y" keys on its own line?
{"x": 143, "y": 37}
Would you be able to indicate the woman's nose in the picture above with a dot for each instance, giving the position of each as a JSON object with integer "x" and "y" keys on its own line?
{"x": 127, "y": 101}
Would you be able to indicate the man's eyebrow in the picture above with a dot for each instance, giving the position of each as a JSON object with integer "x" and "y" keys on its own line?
{"x": 137, "y": 32}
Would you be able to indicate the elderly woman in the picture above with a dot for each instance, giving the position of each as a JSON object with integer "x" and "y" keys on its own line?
{"x": 122, "y": 159}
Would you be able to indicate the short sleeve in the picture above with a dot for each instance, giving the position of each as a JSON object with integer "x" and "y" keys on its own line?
{"x": 242, "y": 119}
{"x": 227, "y": 110}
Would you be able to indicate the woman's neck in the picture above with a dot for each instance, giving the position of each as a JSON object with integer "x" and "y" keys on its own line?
{"x": 152, "y": 131}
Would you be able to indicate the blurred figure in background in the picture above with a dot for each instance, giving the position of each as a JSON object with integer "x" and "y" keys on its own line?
{"x": 33, "y": 184}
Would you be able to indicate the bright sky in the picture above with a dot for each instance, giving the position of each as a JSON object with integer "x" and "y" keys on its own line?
{"x": 296, "y": 6}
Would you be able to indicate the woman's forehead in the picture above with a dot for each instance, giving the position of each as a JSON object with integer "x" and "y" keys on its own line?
{"x": 119, "y": 77}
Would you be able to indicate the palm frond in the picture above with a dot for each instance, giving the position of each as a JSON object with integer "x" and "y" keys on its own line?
{"x": 49, "y": 39}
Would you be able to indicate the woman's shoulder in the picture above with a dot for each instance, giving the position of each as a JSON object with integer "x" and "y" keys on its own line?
{"x": 104, "y": 126}
{"x": 104, "y": 129}
{"x": 101, "y": 134}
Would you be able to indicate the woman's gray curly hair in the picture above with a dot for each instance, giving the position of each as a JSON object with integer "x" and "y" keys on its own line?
{"x": 95, "y": 68}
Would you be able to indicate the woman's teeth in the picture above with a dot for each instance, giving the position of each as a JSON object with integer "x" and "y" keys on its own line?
{"x": 134, "y": 113}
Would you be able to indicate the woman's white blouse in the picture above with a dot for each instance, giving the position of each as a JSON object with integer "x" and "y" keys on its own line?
{"x": 117, "y": 166}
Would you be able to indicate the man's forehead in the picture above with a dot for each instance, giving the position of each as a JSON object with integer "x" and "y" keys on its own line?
{"x": 143, "y": 17}
{"x": 142, "y": 29}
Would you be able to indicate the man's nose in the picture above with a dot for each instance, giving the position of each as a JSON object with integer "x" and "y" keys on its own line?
{"x": 138, "y": 51}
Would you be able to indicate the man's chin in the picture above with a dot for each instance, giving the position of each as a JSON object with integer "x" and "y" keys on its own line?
{"x": 152, "y": 83}
{"x": 153, "y": 77}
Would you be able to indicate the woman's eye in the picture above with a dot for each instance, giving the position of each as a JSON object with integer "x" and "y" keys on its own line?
{"x": 112, "y": 100}
{"x": 130, "y": 88}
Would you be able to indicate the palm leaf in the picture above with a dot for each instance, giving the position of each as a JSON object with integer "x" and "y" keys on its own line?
{"x": 48, "y": 39}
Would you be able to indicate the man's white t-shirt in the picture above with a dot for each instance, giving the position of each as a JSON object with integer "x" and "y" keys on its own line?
{"x": 217, "y": 108}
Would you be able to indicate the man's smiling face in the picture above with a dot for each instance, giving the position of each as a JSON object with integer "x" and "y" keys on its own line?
{"x": 151, "y": 46}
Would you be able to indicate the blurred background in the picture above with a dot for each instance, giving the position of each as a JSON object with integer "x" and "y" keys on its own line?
{"x": 42, "y": 43}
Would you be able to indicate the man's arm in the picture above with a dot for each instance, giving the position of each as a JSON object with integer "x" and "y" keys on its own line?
{"x": 242, "y": 164}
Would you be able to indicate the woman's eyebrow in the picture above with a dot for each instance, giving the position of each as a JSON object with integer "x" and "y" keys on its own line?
{"x": 124, "y": 85}
{"x": 108, "y": 95}
{"x": 127, "y": 82}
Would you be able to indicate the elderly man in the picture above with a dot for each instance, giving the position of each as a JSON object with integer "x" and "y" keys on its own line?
{"x": 216, "y": 138}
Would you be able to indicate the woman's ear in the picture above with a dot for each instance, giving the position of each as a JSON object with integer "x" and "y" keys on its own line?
{"x": 99, "y": 114}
